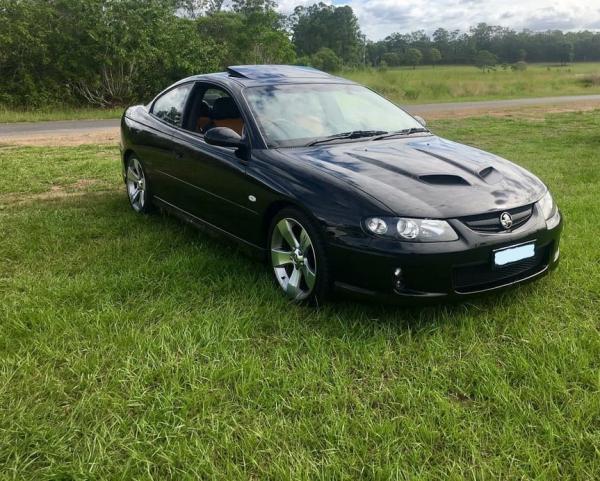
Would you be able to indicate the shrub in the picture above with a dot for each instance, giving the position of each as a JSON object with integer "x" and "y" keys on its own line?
{"x": 520, "y": 66}
{"x": 326, "y": 59}
{"x": 485, "y": 60}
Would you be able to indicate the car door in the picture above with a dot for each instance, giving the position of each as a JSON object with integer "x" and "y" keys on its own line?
{"x": 167, "y": 113}
{"x": 213, "y": 179}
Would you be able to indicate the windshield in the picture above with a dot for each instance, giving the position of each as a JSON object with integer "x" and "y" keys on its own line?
{"x": 300, "y": 114}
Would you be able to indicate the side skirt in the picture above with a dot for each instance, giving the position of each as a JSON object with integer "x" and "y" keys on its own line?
{"x": 252, "y": 249}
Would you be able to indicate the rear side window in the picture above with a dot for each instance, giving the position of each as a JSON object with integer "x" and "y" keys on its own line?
{"x": 170, "y": 106}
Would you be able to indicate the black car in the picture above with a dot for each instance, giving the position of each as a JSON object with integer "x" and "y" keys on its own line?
{"x": 336, "y": 186}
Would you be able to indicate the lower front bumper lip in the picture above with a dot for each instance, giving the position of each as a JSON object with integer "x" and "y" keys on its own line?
{"x": 408, "y": 296}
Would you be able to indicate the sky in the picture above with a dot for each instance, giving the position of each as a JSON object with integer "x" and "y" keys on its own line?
{"x": 379, "y": 18}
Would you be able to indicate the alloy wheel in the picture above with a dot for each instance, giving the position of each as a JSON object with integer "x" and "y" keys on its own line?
{"x": 136, "y": 185}
{"x": 293, "y": 259}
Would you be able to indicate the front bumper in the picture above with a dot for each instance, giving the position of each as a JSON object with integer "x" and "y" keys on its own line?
{"x": 444, "y": 270}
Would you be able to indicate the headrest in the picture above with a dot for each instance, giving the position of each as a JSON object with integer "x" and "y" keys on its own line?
{"x": 225, "y": 108}
{"x": 204, "y": 109}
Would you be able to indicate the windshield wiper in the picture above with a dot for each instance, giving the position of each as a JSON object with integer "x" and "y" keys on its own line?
{"x": 412, "y": 130}
{"x": 354, "y": 134}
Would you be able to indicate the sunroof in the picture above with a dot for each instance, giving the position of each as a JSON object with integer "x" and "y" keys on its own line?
{"x": 259, "y": 72}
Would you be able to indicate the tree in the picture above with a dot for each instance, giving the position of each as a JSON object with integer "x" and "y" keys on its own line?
{"x": 413, "y": 56}
{"x": 485, "y": 60}
{"x": 393, "y": 59}
{"x": 253, "y": 35}
{"x": 565, "y": 52}
{"x": 326, "y": 59}
{"x": 434, "y": 55}
{"x": 327, "y": 26}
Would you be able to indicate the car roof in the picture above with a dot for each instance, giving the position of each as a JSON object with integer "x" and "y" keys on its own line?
{"x": 251, "y": 75}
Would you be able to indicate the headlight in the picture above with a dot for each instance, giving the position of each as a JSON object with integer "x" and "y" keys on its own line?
{"x": 414, "y": 230}
{"x": 549, "y": 210}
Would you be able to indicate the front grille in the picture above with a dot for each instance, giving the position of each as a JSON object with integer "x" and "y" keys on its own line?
{"x": 490, "y": 222}
{"x": 477, "y": 277}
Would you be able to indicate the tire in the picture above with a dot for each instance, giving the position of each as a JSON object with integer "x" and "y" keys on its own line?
{"x": 137, "y": 186}
{"x": 298, "y": 258}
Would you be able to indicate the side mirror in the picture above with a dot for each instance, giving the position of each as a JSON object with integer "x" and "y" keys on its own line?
{"x": 223, "y": 137}
{"x": 421, "y": 120}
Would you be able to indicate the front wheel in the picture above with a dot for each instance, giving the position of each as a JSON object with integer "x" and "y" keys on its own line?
{"x": 298, "y": 257}
{"x": 138, "y": 189}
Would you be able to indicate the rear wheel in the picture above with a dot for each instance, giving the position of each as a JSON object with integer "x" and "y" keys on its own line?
{"x": 138, "y": 189}
{"x": 298, "y": 257}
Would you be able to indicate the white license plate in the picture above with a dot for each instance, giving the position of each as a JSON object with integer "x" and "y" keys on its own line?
{"x": 513, "y": 254}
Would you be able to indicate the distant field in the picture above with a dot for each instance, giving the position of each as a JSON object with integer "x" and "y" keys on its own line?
{"x": 134, "y": 347}
{"x": 467, "y": 83}
{"x": 424, "y": 84}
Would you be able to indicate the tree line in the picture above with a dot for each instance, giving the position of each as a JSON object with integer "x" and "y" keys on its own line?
{"x": 113, "y": 52}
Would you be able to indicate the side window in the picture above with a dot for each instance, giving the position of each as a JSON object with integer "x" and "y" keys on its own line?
{"x": 214, "y": 107}
{"x": 212, "y": 94}
{"x": 170, "y": 106}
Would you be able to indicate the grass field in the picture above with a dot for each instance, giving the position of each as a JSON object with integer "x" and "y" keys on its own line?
{"x": 136, "y": 348}
{"x": 466, "y": 83}
{"x": 408, "y": 86}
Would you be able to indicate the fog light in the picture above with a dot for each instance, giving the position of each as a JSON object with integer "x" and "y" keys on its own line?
{"x": 398, "y": 281}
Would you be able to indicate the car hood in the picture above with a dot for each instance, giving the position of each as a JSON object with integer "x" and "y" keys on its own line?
{"x": 427, "y": 176}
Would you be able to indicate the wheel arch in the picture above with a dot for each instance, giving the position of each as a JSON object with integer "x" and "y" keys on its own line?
{"x": 277, "y": 206}
{"x": 127, "y": 153}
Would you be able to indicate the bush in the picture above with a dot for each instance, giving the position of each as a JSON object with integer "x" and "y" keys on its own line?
{"x": 393, "y": 59}
{"x": 485, "y": 60}
{"x": 520, "y": 66}
{"x": 326, "y": 59}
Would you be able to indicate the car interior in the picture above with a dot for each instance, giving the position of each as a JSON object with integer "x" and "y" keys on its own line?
{"x": 214, "y": 107}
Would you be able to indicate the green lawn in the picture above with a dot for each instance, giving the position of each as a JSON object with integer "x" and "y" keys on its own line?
{"x": 467, "y": 83}
{"x": 136, "y": 348}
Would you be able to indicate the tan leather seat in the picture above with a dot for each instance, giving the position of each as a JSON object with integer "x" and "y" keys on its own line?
{"x": 233, "y": 124}
{"x": 226, "y": 114}
{"x": 203, "y": 117}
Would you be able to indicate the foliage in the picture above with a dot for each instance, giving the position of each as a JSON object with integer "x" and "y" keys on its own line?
{"x": 434, "y": 56}
{"x": 485, "y": 60}
{"x": 128, "y": 349}
{"x": 326, "y": 59}
{"x": 328, "y": 26}
{"x": 413, "y": 57}
{"x": 508, "y": 45}
{"x": 113, "y": 52}
{"x": 393, "y": 59}
{"x": 254, "y": 36}
{"x": 520, "y": 66}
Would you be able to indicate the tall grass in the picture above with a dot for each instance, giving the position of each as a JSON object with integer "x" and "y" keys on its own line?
{"x": 464, "y": 83}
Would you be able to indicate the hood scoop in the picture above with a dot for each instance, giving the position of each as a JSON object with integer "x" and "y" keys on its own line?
{"x": 443, "y": 179}
{"x": 490, "y": 175}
